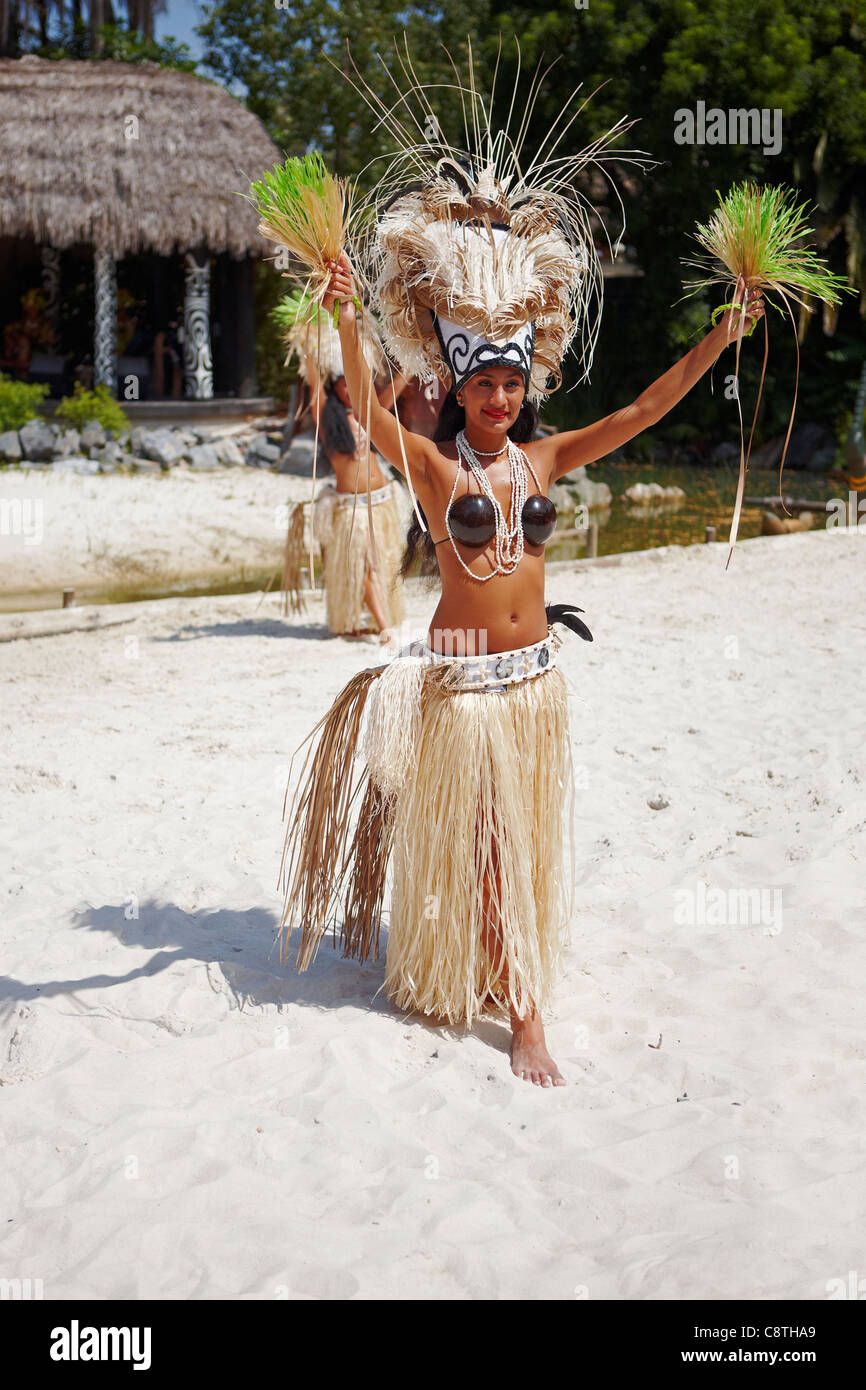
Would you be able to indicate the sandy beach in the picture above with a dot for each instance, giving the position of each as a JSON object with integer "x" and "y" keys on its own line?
{"x": 186, "y": 1119}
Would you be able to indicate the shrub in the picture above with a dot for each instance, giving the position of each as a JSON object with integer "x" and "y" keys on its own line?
{"x": 18, "y": 402}
{"x": 99, "y": 404}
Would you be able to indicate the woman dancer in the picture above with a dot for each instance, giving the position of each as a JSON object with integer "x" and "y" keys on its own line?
{"x": 483, "y": 280}
{"x": 351, "y": 578}
{"x": 505, "y": 620}
{"x": 360, "y": 547}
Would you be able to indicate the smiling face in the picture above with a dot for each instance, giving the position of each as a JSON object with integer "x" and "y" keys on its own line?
{"x": 492, "y": 399}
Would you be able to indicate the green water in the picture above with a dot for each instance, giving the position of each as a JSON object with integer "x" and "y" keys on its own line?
{"x": 709, "y": 501}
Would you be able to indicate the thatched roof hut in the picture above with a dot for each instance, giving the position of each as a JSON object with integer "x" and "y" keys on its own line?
{"x": 127, "y": 157}
{"x": 121, "y": 183}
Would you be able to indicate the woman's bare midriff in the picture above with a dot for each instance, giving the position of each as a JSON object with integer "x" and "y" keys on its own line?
{"x": 504, "y": 612}
{"x": 351, "y": 472}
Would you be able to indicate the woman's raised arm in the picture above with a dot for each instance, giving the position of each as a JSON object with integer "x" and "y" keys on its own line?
{"x": 401, "y": 447}
{"x": 574, "y": 448}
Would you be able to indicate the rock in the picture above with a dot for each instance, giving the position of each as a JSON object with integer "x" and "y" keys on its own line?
{"x": 77, "y": 463}
{"x": 37, "y": 440}
{"x": 67, "y": 444}
{"x": 773, "y": 525}
{"x": 109, "y": 453}
{"x": 160, "y": 446}
{"x": 10, "y": 446}
{"x": 204, "y": 458}
{"x": 562, "y": 497}
{"x": 228, "y": 453}
{"x": 93, "y": 436}
{"x": 590, "y": 494}
{"x": 642, "y": 493}
{"x": 261, "y": 453}
{"x": 142, "y": 465}
{"x": 123, "y": 440}
{"x": 187, "y": 437}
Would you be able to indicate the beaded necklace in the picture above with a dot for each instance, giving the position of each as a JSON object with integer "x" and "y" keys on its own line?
{"x": 509, "y": 536}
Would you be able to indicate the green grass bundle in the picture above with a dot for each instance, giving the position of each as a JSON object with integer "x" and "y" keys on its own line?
{"x": 757, "y": 234}
{"x": 754, "y": 234}
{"x": 304, "y": 208}
{"x": 295, "y": 310}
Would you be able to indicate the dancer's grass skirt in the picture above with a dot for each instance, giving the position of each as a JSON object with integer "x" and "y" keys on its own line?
{"x": 475, "y": 833}
{"x": 346, "y": 559}
{"x": 482, "y": 893}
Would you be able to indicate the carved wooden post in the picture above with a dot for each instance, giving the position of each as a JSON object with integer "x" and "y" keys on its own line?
{"x": 197, "y": 357}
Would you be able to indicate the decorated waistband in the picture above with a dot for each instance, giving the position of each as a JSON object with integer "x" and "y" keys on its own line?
{"x": 345, "y": 499}
{"x": 497, "y": 670}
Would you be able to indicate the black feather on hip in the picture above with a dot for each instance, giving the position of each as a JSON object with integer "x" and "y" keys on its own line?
{"x": 565, "y": 613}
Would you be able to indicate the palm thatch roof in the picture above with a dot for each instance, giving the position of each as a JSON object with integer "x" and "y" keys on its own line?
{"x": 76, "y": 167}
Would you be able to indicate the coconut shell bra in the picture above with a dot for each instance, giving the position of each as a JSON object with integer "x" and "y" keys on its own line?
{"x": 473, "y": 520}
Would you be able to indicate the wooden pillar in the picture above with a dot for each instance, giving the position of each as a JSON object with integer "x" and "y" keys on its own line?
{"x": 105, "y": 325}
{"x": 197, "y": 358}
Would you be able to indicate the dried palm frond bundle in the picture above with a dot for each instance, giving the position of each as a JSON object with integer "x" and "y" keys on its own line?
{"x": 756, "y": 234}
{"x": 305, "y": 209}
{"x": 477, "y": 253}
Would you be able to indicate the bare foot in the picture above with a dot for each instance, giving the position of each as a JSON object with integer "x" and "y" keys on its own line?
{"x": 530, "y": 1058}
{"x": 386, "y": 636}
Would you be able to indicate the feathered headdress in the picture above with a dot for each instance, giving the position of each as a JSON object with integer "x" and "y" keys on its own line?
{"x": 482, "y": 259}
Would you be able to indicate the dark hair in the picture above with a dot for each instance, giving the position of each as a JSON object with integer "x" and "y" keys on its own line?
{"x": 452, "y": 417}
{"x": 338, "y": 436}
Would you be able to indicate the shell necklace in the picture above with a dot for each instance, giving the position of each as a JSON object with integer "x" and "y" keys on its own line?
{"x": 509, "y": 536}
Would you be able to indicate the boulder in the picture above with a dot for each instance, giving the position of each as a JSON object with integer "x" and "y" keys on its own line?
{"x": 204, "y": 458}
{"x": 228, "y": 453}
{"x": 589, "y": 494}
{"x": 67, "y": 444}
{"x": 161, "y": 446}
{"x": 261, "y": 453}
{"x": 109, "y": 453}
{"x": 37, "y": 440}
{"x": 10, "y": 447}
{"x": 644, "y": 493}
{"x": 93, "y": 436}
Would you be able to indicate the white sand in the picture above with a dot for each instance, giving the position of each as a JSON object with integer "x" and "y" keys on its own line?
{"x": 185, "y": 1119}
{"x": 122, "y": 534}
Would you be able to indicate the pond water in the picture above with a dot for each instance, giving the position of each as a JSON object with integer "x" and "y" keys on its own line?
{"x": 709, "y": 501}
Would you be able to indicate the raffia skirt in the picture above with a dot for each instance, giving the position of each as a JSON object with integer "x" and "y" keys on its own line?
{"x": 467, "y": 796}
{"x": 347, "y": 554}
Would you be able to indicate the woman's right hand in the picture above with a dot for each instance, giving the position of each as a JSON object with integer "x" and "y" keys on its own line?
{"x": 341, "y": 286}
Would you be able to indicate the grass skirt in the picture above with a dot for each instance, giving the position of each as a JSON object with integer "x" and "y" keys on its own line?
{"x": 481, "y": 897}
{"x": 475, "y": 833}
{"x": 346, "y": 559}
